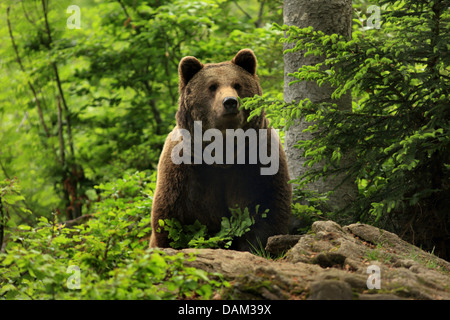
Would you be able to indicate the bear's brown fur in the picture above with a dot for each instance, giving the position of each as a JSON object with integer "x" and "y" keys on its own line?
{"x": 189, "y": 192}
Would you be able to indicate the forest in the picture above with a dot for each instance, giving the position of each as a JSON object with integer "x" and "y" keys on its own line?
{"x": 89, "y": 93}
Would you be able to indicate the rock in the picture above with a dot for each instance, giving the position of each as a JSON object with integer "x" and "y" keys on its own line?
{"x": 326, "y": 226}
{"x": 330, "y": 290}
{"x": 392, "y": 243}
{"x": 330, "y": 259}
{"x": 331, "y": 262}
{"x": 327, "y": 237}
{"x": 278, "y": 245}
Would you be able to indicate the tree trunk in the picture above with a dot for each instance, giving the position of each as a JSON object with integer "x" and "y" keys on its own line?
{"x": 329, "y": 16}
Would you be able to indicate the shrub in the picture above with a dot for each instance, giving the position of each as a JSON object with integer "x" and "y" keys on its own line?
{"x": 110, "y": 253}
{"x": 197, "y": 236}
{"x": 398, "y": 131}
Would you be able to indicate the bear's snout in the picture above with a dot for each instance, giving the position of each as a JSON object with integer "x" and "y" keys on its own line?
{"x": 231, "y": 105}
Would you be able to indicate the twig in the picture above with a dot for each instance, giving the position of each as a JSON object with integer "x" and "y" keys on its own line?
{"x": 260, "y": 15}
{"x": 60, "y": 134}
{"x": 58, "y": 81}
{"x": 77, "y": 221}
{"x": 242, "y": 10}
{"x": 154, "y": 109}
{"x": 4, "y": 170}
{"x": 19, "y": 61}
{"x": 26, "y": 14}
{"x": 124, "y": 9}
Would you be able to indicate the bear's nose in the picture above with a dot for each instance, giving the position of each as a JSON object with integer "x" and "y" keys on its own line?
{"x": 230, "y": 104}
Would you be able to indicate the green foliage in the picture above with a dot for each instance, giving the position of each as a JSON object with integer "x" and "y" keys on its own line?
{"x": 110, "y": 250}
{"x": 80, "y": 108}
{"x": 311, "y": 211}
{"x": 398, "y": 133}
{"x": 12, "y": 198}
{"x": 118, "y": 75}
{"x": 196, "y": 235}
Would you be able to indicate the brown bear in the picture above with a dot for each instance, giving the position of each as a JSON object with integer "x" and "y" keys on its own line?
{"x": 204, "y": 190}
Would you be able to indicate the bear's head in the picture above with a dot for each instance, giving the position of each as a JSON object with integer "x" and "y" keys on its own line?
{"x": 209, "y": 92}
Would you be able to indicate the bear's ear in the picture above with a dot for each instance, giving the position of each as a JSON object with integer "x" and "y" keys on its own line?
{"x": 187, "y": 69}
{"x": 246, "y": 59}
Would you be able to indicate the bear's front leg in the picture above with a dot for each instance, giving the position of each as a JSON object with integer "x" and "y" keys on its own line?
{"x": 168, "y": 197}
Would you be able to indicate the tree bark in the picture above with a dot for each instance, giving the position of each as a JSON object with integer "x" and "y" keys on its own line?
{"x": 329, "y": 16}
{"x": 58, "y": 81}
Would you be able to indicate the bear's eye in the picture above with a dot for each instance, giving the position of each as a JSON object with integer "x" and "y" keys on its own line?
{"x": 237, "y": 86}
{"x": 213, "y": 87}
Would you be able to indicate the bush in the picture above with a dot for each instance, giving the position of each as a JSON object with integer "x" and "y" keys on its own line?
{"x": 398, "y": 131}
{"x": 109, "y": 254}
{"x": 197, "y": 236}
